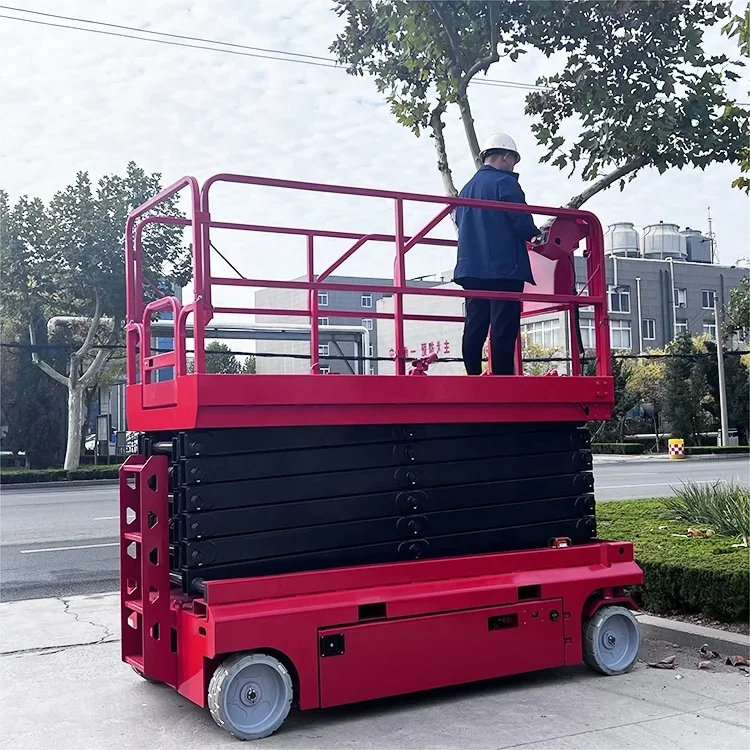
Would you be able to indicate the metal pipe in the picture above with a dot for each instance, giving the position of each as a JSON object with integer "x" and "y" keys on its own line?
{"x": 640, "y": 315}
{"x": 58, "y": 320}
{"x": 672, "y": 298}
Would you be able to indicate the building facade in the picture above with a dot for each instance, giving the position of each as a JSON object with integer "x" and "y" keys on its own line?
{"x": 338, "y": 352}
{"x": 650, "y": 302}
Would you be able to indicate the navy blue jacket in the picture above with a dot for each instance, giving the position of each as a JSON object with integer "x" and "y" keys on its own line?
{"x": 492, "y": 244}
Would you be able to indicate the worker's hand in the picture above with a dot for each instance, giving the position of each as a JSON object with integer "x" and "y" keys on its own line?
{"x": 541, "y": 238}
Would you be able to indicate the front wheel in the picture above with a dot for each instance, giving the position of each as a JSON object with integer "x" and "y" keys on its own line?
{"x": 611, "y": 641}
{"x": 250, "y": 695}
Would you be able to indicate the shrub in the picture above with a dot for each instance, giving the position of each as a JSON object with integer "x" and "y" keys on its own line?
{"x": 27, "y": 476}
{"x": 625, "y": 449}
{"x": 703, "y": 450}
{"x": 682, "y": 574}
{"x": 722, "y": 507}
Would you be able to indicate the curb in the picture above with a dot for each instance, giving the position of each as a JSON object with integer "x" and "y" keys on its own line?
{"x": 604, "y": 458}
{"x": 694, "y": 636}
{"x": 58, "y": 485}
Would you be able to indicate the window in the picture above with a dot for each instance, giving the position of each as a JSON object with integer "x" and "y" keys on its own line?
{"x": 366, "y": 300}
{"x": 324, "y": 350}
{"x": 325, "y": 370}
{"x": 367, "y": 323}
{"x": 707, "y": 296}
{"x": 588, "y": 334}
{"x": 583, "y": 293}
{"x": 323, "y": 299}
{"x": 618, "y": 298}
{"x": 709, "y": 328}
{"x": 371, "y": 350}
{"x": 681, "y": 326}
{"x": 323, "y": 321}
{"x": 649, "y": 329}
{"x": 543, "y": 332}
{"x": 620, "y": 332}
{"x": 680, "y": 297}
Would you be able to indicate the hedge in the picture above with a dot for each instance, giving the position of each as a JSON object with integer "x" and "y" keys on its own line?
{"x": 625, "y": 449}
{"x": 705, "y": 450}
{"x": 27, "y": 476}
{"x": 683, "y": 575}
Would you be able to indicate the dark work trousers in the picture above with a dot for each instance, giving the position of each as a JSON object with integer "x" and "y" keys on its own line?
{"x": 502, "y": 318}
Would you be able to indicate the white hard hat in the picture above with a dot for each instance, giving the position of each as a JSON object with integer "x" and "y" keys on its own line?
{"x": 497, "y": 141}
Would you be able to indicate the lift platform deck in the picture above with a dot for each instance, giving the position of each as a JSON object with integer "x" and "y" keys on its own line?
{"x": 284, "y": 535}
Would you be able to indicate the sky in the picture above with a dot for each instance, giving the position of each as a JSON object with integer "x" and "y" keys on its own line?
{"x": 75, "y": 101}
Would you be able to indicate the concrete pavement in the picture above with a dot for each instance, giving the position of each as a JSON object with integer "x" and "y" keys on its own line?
{"x": 61, "y": 541}
{"x": 74, "y": 692}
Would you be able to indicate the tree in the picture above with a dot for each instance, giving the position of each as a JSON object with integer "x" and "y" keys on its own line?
{"x": 248, "y": 366}
{"x": 219, "y": 360}
{"x": 33, "y": 406}
{"x": 739, "y": 27}
{"x": 737, "y": 312}
{"x": 633, "y": 81}
{"x": 737, "y": 380}
{"x": 66, "y": 258}
{"x": 686, "y": 395}
{"x": 531, "y": 350}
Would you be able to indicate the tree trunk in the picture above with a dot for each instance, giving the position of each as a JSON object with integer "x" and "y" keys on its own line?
{"x": 437, "y": 126}
{"x": 606, "y": 181}
{"x": 471, "y": 134}
{"x": 75, "y": 426}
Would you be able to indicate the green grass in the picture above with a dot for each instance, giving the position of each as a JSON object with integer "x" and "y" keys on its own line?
{"x": 707, "y": 576}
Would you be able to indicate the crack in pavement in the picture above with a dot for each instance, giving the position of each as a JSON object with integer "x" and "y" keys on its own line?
{"x": 48, "y": 650}
{"x": 68, "y": 611}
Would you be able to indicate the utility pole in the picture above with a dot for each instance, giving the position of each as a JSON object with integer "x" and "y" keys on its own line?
{"x": 720, "y": 363}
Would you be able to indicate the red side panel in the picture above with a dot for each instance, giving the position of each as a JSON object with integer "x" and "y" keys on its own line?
{"x": 403, "y": 656}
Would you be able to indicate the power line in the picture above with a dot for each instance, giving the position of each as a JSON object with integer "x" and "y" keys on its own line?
{"x": 159, "y": 33}
{"x": 232, "y": 48}
{"x": 353, "y": 358}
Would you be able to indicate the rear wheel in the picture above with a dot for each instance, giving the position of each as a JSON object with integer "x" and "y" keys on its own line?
{"x": 143, "y": 676}
{"x": 250, "y": 695}
{"x": 611, "y": 640}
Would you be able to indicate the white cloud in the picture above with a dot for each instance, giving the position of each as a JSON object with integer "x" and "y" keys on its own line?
{"x": 78, "y": 101}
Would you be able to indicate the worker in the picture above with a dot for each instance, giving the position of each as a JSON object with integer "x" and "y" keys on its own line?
{"x": 492, "y": 256}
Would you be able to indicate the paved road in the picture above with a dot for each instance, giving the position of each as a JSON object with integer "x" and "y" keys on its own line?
{"x": 59, "y": 542}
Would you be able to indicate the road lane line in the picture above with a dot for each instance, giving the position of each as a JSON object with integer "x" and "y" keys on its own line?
{"x": 65, "y": 549}
{"x": 106, "y": 518}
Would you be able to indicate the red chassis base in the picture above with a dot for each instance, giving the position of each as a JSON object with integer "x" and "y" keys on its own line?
{"x": 497, "y": 615}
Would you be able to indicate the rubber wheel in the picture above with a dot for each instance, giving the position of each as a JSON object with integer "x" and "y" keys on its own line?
{"x": 143, "y": 676}
{"x": 250, "y": 695}
{"x": 611, "y": 641}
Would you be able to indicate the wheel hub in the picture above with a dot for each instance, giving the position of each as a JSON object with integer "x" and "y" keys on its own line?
{"x": 609, "y": 640}
{"x": 251, "y": 694}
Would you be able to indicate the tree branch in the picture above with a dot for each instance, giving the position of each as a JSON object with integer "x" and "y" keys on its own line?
{"x": 471, "y": 134}
{"x": 93, "y": 327}
{"x": 437, "y": 126}
{"x": 101, "y": 358}
{"x": 485, "y": 62}
{"x": 602, "y": 184}
{"x": 459, "y": 64}
{"x": 42, "y": 365}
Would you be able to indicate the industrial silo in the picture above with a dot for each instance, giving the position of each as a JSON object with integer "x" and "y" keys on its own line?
{"x": 622, "y": 239}
{"x": 698, "y": 246}
{"x": 662, "y": 241}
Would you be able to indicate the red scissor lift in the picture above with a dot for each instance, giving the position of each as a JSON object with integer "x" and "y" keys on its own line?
{"x": 370, "y": 617}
